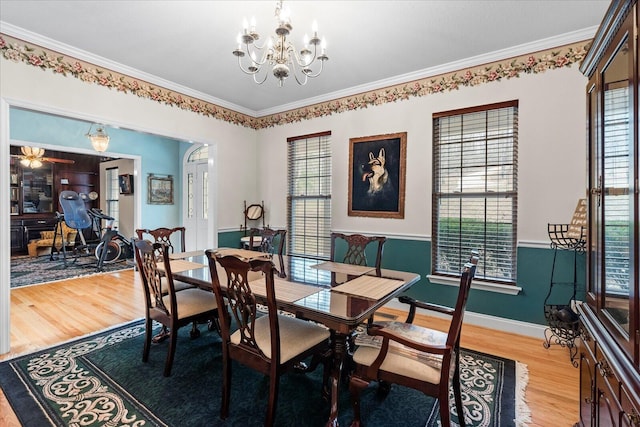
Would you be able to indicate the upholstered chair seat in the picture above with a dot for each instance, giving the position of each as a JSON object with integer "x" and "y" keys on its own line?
{"x": 192, "y": 301}
{"x": 178, "y": 285}
{"x": 403, "y": 360}
{"x": 296, "y": 336}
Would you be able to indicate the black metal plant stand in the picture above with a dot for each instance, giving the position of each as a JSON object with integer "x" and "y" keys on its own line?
{"x": 563, "y": 320}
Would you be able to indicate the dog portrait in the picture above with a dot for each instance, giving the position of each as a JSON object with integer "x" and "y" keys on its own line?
{"x": 377, "y": 175}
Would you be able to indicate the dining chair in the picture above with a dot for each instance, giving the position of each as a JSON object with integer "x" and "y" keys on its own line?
{"x": 172, "y": 309}
{"x": 173, "y": 237}
{"x": 424, "y": 359}
{"x": 168, "y": 236}
{"x": 271, "y": 241}
{"x": 356, "y": 245}
{"x": 271, "y": 343}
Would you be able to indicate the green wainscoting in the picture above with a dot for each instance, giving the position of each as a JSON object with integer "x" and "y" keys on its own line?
{"x": 230, "y": 239}
{"x": 534, "y": 275}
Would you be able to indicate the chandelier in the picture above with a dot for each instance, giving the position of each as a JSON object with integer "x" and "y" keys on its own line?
{"x": 99, "y": 139}
{"x": 31, "y": 157}
{"x": 279, "y": 53}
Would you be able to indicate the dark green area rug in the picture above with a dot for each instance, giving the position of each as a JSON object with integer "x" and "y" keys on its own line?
{"x": 100, "y": 380}
{"x": 32, "y": 271}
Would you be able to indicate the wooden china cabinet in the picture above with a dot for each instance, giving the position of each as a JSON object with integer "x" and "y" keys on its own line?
{"x": 610, "y": 317}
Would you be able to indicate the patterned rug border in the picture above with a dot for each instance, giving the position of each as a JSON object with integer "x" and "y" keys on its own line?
{"x": 70, "y": 340}
{"x": 522, "y": 412}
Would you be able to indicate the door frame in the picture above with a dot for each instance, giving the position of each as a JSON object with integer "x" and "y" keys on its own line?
{"x": 5, "y": 218}
{"x": 212, "y": 220}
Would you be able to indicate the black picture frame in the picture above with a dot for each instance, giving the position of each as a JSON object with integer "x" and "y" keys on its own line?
{"x": 377, "y": 173}
{"x": 125, "y": 182}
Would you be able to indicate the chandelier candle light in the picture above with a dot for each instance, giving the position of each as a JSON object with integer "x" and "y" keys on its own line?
{"x": 280, "y": 53}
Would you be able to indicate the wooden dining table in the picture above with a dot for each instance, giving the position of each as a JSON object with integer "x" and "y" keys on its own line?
{"x": 303, "y": 288}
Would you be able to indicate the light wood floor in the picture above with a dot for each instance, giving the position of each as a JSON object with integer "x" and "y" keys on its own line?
{"x": 45, "y": 315}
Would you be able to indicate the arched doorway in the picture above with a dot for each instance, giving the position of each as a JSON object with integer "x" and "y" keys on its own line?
{"x": 196, "y": 201}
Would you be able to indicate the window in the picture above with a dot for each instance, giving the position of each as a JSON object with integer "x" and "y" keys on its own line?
{"x": 617, "y": 163}
{"x": 113, "y": 194}
{"x": 475, "y": 197}
{"x": 200, "y": 157}
{"x": 309, "y": 198}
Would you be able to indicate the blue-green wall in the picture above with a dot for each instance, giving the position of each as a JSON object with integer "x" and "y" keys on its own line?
{"x": 159, "y": 155}
{"x": 534, "y": 276}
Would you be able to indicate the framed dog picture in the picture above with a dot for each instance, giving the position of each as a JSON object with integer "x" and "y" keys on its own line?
{"x": 377, "y": 175}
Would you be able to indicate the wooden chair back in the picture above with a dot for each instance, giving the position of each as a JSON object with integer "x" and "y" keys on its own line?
{"x": 356, "y": 251}
{"x": 147, "y": 256}
{"x": 271, "y": 241}
{"x": 174, "y": 237}
{"x": 242, "y": 303}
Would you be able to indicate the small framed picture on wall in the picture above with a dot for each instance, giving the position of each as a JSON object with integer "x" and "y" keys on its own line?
{"x": 125, "y": 182}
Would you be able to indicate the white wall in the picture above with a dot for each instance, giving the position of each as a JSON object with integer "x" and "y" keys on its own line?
{"x": 235, "y": 145}
{"x": 552, "y": 159}
{"x": 234, "y": 169}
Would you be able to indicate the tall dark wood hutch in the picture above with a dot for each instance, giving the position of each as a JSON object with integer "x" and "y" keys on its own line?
{"x": 610, "y": 317}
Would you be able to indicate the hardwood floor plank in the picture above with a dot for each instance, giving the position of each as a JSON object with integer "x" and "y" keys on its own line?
{"x": 44, "y": 315}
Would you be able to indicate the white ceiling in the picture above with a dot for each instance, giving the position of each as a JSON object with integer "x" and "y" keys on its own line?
{"x": 186, "y": 45}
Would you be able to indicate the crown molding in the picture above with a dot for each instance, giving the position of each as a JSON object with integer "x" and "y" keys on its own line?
{"x": 45, "y": 42}
{"x": 498, "y": 55}
{"x": 412, "y": 84}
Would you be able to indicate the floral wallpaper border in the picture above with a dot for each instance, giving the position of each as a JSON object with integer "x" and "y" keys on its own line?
{"x": 19, "y": 51}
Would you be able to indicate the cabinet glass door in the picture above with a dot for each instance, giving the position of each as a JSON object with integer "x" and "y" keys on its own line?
{"x": 615, "y": 184}
{"x": 37, "y": 189}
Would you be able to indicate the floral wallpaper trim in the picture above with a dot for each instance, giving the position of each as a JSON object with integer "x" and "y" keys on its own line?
{"x": 18, "y": 51}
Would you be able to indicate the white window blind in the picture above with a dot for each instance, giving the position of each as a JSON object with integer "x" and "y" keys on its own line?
{"x": 475, "y": 194}
{"x": 309, "y": 198}
{"x": 616, "y": 183}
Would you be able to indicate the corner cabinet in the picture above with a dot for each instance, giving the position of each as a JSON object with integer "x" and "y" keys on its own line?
{"x": 609, "y": 343}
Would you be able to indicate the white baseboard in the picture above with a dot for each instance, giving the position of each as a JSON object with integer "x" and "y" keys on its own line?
{"x": 492, "y": 322}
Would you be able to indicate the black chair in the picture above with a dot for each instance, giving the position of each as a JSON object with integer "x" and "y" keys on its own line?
{"x": 271, "y": 344}
{"x": 413, "y": 356}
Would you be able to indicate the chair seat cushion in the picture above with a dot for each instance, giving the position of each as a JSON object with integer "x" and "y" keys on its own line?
{"x": 192, "y": 302}
{"x": 401, "y": 359}
{"x": 177, "y": 285}
{"x": 296, "y": 336}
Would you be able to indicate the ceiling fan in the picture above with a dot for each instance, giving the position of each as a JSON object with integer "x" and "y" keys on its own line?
{"x": 33, "y": 157}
